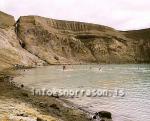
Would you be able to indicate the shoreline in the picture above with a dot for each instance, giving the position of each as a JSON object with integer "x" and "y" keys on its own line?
{"x": 58, "y": 108}
{"x": 48, "y": 106}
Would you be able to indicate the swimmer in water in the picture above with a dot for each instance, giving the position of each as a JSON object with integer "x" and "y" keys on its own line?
{"x": 100, "y": 68}
{"x": 64, "y": 67}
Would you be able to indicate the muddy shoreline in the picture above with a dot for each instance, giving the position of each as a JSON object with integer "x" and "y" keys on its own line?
{"x": 47, "y": 106}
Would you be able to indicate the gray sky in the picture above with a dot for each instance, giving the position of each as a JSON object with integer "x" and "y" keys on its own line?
{"x": 119, "y": 14}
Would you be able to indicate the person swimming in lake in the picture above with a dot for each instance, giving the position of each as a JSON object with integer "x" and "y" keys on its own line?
{"x": 64, "y": 67}
{"x": 100, "y": 68}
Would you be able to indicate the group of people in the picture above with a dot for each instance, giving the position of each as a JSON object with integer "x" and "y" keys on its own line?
{"x": 100, "y": 68}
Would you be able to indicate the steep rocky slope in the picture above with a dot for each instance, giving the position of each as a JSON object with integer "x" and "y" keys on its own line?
{"x": 140, "y": 42}
{"x": 11, "y": 53}
{"x": 58, "y": 41}
{"x": 6, "y": 20}
{"x": 35, "y": 40}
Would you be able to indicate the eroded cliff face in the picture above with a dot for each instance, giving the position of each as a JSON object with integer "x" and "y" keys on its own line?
{"x": 54, "y": 42}
{"x": 140, "y": 42}
{"x": 6, "y": 20}
{"x": 35, "y": 40}
{"x": 59, "y": 42}
{"x": 11, "y": 52}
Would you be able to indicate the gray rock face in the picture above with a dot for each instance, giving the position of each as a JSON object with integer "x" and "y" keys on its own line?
{"x": 6, "y": 20}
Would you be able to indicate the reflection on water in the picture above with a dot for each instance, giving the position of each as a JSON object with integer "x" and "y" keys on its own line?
{"x": 135, "y": 79}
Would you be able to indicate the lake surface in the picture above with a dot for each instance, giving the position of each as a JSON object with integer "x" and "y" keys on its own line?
{"x": 134, "y": 80}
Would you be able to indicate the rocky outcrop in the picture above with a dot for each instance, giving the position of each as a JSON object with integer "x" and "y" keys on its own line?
{"x": 140, "y": 42}
{"x": 102, "y": 116}
{"x": 35, "y": 40}
{"x": 11, "y": 52}
{"x": 6, "y": 20}
{"x": 51, "y": 42}
{"x": 59, "y": 42}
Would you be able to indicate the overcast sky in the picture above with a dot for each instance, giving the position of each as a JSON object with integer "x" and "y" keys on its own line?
{"x": 119, "y": 14}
